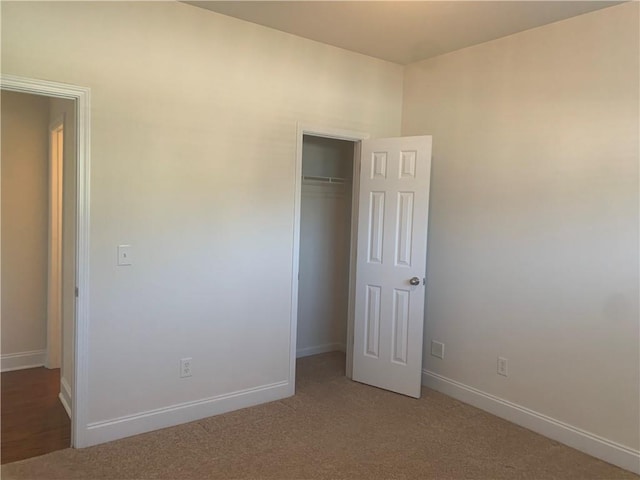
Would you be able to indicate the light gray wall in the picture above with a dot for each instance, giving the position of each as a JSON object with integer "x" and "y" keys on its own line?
{"x": 193, "y": 148}
{"x": 25, "y": 220}
{"x": 533, "y": 236}
{"x": 325, "y": 223}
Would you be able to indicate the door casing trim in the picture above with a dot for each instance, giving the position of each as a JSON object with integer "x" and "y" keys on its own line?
{"x": 82, "y": 97}
{"x": 338, "y": 134}
{"x": 54, "y": 247}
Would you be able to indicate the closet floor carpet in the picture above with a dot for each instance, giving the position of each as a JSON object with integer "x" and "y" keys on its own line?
{"x": 332, "y": 429}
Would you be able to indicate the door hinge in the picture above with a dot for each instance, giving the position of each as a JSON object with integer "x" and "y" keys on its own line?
{"x": 77, "y": 292}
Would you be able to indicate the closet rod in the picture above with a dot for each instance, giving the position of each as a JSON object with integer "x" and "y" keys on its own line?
{"x": 314, "y": 178}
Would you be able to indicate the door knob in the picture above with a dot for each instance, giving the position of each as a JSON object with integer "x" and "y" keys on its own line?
{"x": 414, "y": 281}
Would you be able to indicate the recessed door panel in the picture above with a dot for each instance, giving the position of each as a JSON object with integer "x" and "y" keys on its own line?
{"x": 372, "y": 314}
{"x": 379, "y": 165}
{"x": 408, "y": 164}
{"x": 376, "y": 226}
{"x": 404, "y": 227}
{"x": 400, "y": 326}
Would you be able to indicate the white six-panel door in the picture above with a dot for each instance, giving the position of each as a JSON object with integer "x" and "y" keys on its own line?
{"x": 391, "y": 251}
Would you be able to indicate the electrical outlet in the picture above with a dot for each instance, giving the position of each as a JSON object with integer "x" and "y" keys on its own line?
{"x": 185, "y": 367}
{"x": 437, "y": 349}
{"x": 502, "y": 366}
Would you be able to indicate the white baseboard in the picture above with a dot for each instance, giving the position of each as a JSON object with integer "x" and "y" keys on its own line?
{"x": 22, "y": 360}
{"x": 65, "y": 395}
{"x": 316, "y": 349}
{"x": 611, "y": 452}
{"x": 108, "y": 430}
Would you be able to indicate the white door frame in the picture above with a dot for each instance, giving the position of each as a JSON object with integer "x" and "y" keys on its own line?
{"x": 338, "y": 134}
{"x": 82, "y": 97}
{"x": 54, "y": 283}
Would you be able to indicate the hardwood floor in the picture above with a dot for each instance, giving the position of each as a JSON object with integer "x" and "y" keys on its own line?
{"x": 34, "y": 422}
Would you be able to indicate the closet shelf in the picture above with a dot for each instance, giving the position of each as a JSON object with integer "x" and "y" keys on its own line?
{"x": 318, "y": 179}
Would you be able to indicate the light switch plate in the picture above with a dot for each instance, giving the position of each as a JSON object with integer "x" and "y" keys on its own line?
{"x": 124, "y": 255}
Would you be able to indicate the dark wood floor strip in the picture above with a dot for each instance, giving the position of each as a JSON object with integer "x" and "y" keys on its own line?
{"x": 34, "y": 422}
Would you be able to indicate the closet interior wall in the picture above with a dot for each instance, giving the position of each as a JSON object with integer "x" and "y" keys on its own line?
{"x": 325, "y": 232}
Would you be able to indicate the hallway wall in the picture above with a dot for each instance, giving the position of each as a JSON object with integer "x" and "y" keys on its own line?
{"x": 25, "y": 219}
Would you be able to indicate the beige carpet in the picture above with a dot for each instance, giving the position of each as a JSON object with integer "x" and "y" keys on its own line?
{"x": 333, "y": 429}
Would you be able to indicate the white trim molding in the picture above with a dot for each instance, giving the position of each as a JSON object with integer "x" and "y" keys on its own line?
{"x": 316, "y": 349}
{"x": 65, "y": 395}
{"x": 589, "y": 443}
{"x": 82, "y": 98}
{"x": 108, "y": 430}
{"x": 22, "y": 360}
{"x": 54, "y": 283}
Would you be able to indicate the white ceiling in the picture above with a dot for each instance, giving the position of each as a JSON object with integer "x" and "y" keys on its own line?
{"x": 402, "y": 31}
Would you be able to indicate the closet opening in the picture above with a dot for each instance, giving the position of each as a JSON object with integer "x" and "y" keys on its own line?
{"x": 325, "y": 228}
